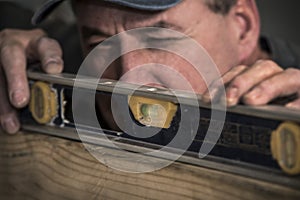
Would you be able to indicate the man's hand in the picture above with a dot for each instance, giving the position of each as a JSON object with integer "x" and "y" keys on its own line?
{"x": 257, "y": 85}
{"x": 16, "y": 48}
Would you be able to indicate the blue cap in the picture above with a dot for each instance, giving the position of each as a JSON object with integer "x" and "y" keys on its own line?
{"x": 150, "y": 5}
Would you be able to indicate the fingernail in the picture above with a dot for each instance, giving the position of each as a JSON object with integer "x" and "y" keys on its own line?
{"x": 53, "y": 59}
{"x": 232, "y": 96}
{"x": 18, "y": 98}
{"x": 10, "y": 125}
{"x": 53, "y": 65}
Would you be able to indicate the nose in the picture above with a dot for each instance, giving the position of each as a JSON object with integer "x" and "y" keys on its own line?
{"x": 144, "y": 67}
{"x": 137, "y": 67}
{"x": 133, "y": 59}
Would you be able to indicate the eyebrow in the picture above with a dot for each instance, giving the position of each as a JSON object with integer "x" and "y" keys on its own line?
{"x": 89, "y": 31}
{"x": 164, "y": 24}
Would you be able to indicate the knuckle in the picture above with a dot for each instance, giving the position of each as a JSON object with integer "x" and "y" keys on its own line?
{"x": 268, "y": 65}
{"x": 265, "y": 88}
{"x": 238, "y": 82}
{"x": 22, "y": 36}
{"x": 38, "y": 32}
{"x": 293, "y": 71}
{"x": 11, "y": 50}
{"x": 7, "y": 49}
{"x": 49, "y": 45}
{"x": 238, "y": 69}
{"x": 259, "y": 61}
{"x": 43, "y": 40}
{"x": 233, "y": 72}
{"x": 293, "y": 76}
{"x": 47, "y": 41}
{"x": 5, "y": 33}
{"x": 241, "y": 67}
{"x": 265, "y": 62}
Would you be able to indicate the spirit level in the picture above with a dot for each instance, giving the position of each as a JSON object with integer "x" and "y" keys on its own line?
{"x": 266, "y": 136}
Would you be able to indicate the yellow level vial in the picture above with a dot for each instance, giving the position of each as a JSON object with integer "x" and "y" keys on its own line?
{"x": 152, "y": 112}
{"x": 43, "y": 103}
{"x": 285, "y": 147}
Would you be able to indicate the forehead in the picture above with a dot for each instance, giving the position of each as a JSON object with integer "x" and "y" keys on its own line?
{"x": 102, "y": 14}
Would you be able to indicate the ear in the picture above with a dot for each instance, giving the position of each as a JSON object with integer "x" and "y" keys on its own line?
{"x": 246, "y": 19}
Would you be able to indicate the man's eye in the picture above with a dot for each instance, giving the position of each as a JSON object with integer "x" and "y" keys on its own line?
{"x": 105, "y": 44}
{"x": 162, "y": 39}
{"x": 164, "y": 42}
{"x": 163, "y": 35}
{"x": 93, "y": 45}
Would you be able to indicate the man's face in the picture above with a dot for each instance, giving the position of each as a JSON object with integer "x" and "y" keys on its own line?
{"x": 98, "y": 21}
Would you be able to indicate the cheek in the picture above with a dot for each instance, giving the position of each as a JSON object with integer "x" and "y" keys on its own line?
{"x": 224, "y": 55}
{"x": 220, "y": 44}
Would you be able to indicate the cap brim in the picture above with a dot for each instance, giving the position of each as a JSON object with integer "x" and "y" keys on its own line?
{"x": 150, "y": 5}
{"x": 44, "y": 11}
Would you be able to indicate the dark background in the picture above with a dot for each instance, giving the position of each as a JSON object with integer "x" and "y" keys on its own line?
{"x": 281, "y": 18}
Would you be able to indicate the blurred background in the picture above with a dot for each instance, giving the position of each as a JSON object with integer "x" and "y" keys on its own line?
{"x": 280, "y": 19}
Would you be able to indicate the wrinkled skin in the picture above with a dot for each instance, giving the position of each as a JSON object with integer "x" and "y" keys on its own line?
{"x": 16, "y": 46}
{"x": 231, "y": 40}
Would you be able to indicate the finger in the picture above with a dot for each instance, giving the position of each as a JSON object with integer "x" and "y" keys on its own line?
{"x": 279, "y": 85}
{"x": 14, "y": 68}
{"x": 9, "y": 122}
{"x": 213, "y": 92}
{"x": 49, "y": 53}
{"x": 294, "y": 104}
{"x": 242, "y": 83}
{"x": 8, "y": 116}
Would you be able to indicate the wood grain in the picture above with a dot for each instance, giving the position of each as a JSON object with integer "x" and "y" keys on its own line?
{"x": 34, "y": 166}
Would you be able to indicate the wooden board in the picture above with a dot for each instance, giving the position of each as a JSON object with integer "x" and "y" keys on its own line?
{"x": 34, "y": 166}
